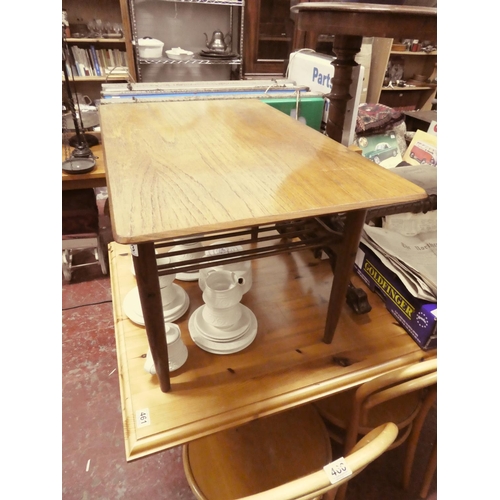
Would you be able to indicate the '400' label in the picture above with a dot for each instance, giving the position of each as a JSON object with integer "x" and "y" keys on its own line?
{"x": 337, "y": 470}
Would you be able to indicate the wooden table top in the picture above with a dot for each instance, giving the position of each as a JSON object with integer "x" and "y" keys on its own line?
{"x": 96, "y": 178}
{"x": 286, "y": 365}
{"x": 367, "y": 19}
{"x": 182, "y": 168}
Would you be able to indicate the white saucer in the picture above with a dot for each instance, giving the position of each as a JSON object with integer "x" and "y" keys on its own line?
{"x": 231, "y": 347}
{"x": 188, "y": 276}
{"x": 132, "y": 306}
{"x": 219, "y": 334}
{"x": 184, "y": 276}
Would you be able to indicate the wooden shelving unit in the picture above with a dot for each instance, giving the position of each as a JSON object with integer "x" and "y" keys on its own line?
{"x": 416, "y": 98}
{"x": 268, "y": 37}
{"x": 235, "y": 28}
{"x": 112, "y": 11}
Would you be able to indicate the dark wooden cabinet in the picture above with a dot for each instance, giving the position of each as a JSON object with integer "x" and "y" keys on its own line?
{"x": 268, "y": 37}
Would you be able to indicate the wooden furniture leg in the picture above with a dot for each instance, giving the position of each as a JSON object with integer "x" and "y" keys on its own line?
{"x": 429, "y": 472}
{"x": 413, "y": 443}
{"x": 344, "y": 264}
{"x": 146, "y": 273}
{"x": 349, "y": 22}
{"x": 345, "y": 48}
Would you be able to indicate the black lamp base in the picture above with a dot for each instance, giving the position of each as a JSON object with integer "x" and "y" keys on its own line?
{"x": 92, "y": 140}
{"x": 78, "y": 165}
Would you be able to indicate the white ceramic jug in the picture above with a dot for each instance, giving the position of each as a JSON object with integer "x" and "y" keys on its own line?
{"x": 222, "y": 296}
{"x": 223, "y": 288}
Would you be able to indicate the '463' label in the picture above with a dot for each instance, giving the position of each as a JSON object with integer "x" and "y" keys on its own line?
{"x": 337, "y": 470}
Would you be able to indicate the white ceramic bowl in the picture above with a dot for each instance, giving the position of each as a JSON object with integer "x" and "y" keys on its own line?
{"x": 179, "y": 54}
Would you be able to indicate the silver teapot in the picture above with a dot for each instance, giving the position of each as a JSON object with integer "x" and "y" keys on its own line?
{"x": 218, "y": 42}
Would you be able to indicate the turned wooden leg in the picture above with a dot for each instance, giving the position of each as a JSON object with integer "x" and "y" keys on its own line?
{"x": 345, "y": 49}
{"x": 146, "y": 273}
{"x": 345, "y": 253}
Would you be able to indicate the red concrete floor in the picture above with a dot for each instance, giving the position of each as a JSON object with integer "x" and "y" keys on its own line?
{"x": 93, "y": 453}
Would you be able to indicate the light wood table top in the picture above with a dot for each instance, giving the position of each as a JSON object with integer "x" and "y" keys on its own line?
{"x": 286, "y": 365}
{"x": 182, "y": 168}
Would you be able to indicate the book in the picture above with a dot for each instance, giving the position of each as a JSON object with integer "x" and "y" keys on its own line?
{"x": 95, "y": 61}
{"x": 422, "y": 149}
{"x": 382, "y": 149}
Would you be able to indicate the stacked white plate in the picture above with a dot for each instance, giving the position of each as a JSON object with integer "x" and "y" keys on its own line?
{"x": 228, "y": 340}
{"x": 171, "y": 311}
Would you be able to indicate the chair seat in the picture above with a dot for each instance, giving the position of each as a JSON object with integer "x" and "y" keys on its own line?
{"x": 80, "y": 214}
{"x": 244, "y": 460}
{"x": 337, "y": 410}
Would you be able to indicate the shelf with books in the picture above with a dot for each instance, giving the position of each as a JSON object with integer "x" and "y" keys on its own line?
{"x": 97, "y": 61}
{"x": 100, "y": 40}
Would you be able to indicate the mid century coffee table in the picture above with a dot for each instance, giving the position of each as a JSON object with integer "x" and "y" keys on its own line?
{"x": 233, "y": 168}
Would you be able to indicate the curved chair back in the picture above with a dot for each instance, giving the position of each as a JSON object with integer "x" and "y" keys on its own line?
{"x": 276, "y": 457}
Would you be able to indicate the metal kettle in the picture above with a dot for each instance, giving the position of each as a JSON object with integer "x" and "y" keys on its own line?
{"x": 218, "y": 42}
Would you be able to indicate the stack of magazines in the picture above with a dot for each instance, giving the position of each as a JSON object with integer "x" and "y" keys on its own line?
{"x": 412, "y": 257}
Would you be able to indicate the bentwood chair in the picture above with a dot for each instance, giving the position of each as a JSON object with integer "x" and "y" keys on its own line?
{"x": 280, "y": 457}
{"x": 412, "y": 444}
{"x": 397, "y": 397}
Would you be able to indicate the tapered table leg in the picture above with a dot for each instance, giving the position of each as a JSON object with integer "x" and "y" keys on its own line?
{"x": 345, "y": 256}
{"x": 146, "y": 273}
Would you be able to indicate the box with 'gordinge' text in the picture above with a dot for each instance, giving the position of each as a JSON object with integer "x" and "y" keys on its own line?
{"x": 417, "y": 317}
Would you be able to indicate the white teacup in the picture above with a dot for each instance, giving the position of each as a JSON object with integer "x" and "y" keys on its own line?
{"x": 177, "y": 351}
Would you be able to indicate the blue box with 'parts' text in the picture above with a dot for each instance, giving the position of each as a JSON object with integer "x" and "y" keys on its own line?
{"x": 417, "y": 317}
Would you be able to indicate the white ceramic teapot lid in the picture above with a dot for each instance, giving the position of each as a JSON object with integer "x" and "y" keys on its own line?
{"x": 147, "y": 41}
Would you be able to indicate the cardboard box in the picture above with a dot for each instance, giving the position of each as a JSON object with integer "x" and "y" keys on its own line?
{"x": 316, "y": 71}
{"x": 417, "y": 317}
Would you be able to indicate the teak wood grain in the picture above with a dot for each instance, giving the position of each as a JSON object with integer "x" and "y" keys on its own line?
{"x": 287, "y": 364}
{"x": 182, "y": 168}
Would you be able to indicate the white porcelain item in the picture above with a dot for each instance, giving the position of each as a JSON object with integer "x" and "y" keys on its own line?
{"x": 164, "y": 279}
{"x": 222, "y": 347}
{"x": 149, "y": 48}
{"x": 223, "y": 289}
{"x": 241, "y": 269}
{"x": 188, "y": 275}
{"x": 219, "y": 334}
{"x": 177, "y": 351}
{"x": 172, "y": 311}
{"x": 225, "y": 317}
{"x": 179, "y": 54}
